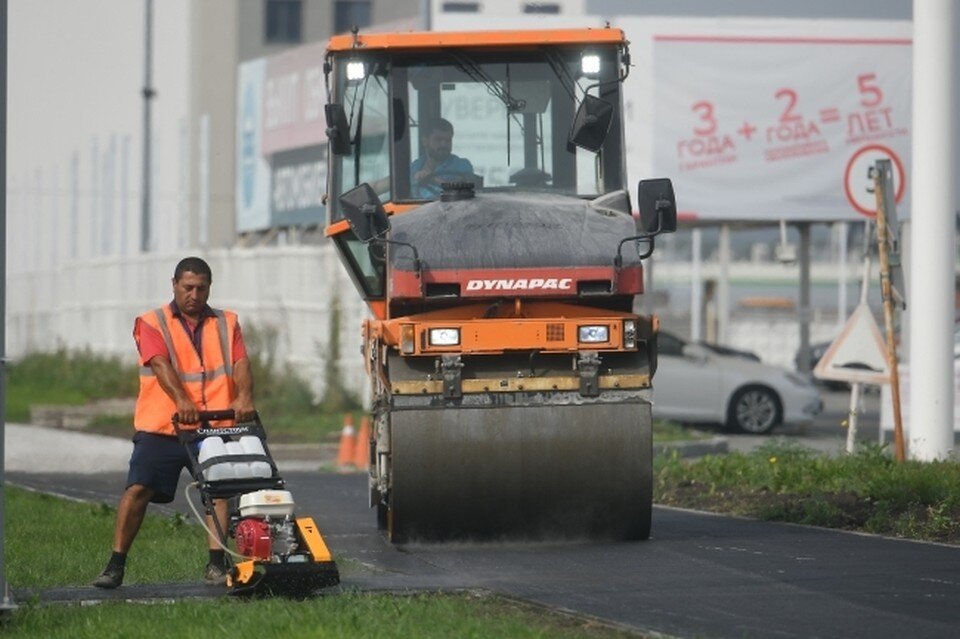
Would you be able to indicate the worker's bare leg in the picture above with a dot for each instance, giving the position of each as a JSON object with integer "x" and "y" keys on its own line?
{"x": 130, "y": 513}
{"x": 220, "y": 507}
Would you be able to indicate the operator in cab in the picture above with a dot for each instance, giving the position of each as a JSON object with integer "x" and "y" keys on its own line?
{"x": 439, "y": 164}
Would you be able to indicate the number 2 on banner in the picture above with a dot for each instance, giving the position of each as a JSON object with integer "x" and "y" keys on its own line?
{"x": 788, "y": 115}
{"x": 705, "y": 110}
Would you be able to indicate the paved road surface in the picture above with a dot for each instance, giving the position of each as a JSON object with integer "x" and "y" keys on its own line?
{"x": 699, "y": 574}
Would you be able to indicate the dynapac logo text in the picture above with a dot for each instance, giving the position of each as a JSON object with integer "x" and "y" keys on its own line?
{"x": 522, "y": 284}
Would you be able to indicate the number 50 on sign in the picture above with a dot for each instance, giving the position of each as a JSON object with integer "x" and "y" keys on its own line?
{"x": 858, "y": 177}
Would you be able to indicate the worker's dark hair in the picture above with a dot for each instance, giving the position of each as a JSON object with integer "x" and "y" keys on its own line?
{"x": 439, "y": 124}
{"x": 192, "y": 265}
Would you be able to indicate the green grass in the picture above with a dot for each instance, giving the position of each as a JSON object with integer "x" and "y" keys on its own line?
{"x": 64, "y": 377}
{"x": 52, "y": 542}
{"x": 669, "y": 432}
{"x": 782, "y": 482}
{"x": 346, "y": 615}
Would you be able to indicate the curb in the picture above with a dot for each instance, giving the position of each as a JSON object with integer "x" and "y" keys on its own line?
{"x": 712, "y": 446}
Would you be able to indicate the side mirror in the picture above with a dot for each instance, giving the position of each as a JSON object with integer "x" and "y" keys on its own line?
{"x": 338, "y": 129}
{"x": 364, "y": 212}
{"x": 591, "y": 123}
{"x": 657, "y": 205}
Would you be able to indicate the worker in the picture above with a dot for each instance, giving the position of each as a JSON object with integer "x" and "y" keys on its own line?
{"x": 439, "y": 165}
{"x": 192, "y": 358}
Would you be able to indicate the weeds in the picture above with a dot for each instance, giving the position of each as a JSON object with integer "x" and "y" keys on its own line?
{"x": 868, "y": 491}
{"x": 66, "y": 377}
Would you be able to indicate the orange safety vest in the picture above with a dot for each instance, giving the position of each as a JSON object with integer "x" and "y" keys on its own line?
{"x": 208, "y": 382}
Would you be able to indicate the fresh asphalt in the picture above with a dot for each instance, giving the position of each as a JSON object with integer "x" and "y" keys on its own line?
{"x": 698, "y": 575}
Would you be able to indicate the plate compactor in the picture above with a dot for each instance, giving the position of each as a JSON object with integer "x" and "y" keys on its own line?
{"x": 277, "y": 552}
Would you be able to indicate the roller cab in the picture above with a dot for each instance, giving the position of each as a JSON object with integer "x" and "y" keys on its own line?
{"x": 511, "y": 375}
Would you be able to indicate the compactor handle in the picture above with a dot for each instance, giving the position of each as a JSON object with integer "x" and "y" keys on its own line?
{"x": 214, "y": 416}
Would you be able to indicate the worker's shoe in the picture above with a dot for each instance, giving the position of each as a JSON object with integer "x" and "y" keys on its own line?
{"x": 111, "y": 577}
{"x": 215, "y": 575}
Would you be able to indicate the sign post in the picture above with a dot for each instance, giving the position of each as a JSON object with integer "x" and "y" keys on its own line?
{"x": 886, "y": 239}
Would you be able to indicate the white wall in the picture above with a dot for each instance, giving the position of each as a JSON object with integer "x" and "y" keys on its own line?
{"x": 75, "y": 128}
{"x": 93, "y": 304}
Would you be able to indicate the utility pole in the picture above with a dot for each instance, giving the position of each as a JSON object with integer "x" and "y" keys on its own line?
{"x": 6, "y": 603}
{"x": 148, "y": 95}
{"x": 806, "y": 362}
{"x": 425, "y": 10}
{"x": 933, "y": 234}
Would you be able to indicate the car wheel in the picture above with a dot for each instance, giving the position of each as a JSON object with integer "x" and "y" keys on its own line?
{"x": 755, "y": 410}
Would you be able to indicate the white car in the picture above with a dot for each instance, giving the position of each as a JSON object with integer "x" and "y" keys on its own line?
{"x": 695, "y": 384}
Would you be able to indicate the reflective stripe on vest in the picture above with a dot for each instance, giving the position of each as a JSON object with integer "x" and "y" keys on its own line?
{"x": 226, "y": 369}
{"x": 208, "y": 389}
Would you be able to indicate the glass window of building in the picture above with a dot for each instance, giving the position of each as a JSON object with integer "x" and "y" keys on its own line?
{"x": 350, "y": 13}
{"x": 461, "y": 7}
{"x": 284, "y": 20}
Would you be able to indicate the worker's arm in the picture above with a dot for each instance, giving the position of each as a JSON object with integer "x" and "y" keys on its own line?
{"x": 243, "y": 383}
{"x": 187, "y": 411}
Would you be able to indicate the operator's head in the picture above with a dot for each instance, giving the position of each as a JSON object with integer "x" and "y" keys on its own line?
{"x": 191, "y": 285}
{"x": 438, "y": 139}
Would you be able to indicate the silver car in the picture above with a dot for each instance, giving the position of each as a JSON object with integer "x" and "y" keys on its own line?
{"x": 696, "y": 384}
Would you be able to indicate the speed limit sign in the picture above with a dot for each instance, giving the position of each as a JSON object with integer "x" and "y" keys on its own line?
{"x": 858, "y": 177}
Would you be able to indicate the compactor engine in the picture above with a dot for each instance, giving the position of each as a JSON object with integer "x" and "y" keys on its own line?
{"x": 477, "y": 196}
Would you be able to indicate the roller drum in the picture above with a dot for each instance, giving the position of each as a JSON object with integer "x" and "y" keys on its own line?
{"x": 527, "y": 472}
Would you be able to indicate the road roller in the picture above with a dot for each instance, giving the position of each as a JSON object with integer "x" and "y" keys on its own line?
{"x": 477, "y": 197}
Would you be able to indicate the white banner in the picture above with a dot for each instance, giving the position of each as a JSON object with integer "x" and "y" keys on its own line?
{"x": 780, "y": 127}
{"x": 253, "y": 170}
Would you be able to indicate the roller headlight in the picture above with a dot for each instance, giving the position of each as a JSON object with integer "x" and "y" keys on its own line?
{"x": 630, "y": 334}
{"x": 407, "y": 339}
{"x": 444, "y": 336}
{"x": 594, "y": 334}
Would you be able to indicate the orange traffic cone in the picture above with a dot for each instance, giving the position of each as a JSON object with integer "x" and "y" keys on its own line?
{"x": 361, "y": 455}
{"x": 348, "y": 443}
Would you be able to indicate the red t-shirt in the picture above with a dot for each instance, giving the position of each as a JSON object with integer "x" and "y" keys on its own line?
{"x": 152, "y": 344}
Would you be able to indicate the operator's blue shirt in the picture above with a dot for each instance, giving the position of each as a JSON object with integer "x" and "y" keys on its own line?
{"x": 450, "y": 170}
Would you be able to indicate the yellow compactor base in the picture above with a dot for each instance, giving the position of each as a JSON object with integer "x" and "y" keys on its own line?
{"x": 293, "y": 578}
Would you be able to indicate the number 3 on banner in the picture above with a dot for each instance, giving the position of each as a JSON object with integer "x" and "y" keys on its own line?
{"x": 705, "y": 110}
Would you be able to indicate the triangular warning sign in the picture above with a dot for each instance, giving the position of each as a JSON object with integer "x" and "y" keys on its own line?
{"x": 858, "y": 355}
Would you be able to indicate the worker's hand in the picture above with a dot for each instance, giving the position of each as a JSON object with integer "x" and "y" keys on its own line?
{"x": 243, "y": 409}
{"x": 187, "y": 413}
{"x": 426, "y": 172}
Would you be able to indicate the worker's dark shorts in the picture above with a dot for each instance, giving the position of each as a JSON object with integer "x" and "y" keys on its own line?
{"x": 156, "y": 463}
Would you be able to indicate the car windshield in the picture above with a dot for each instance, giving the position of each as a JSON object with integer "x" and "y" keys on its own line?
{"x": 500, "y": 120}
